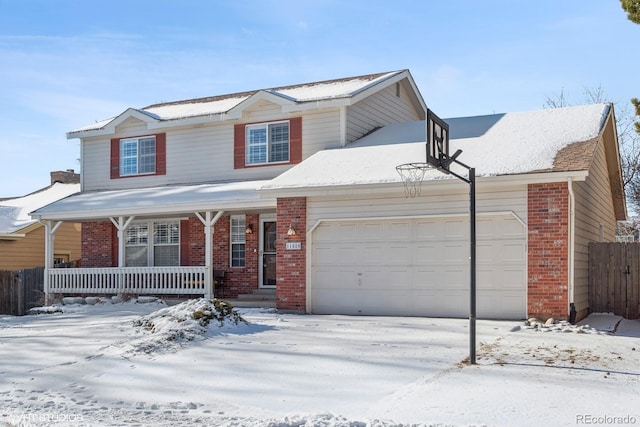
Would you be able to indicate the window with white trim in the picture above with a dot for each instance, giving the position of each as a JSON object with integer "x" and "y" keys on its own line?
{"x": 138, "y": 156}
{"x": 161, "y": 250}
{"x": 238, "y": 241}
{"x": 267, "y": 143}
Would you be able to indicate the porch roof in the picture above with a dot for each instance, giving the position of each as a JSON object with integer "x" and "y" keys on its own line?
{"x": 157, "y": 201}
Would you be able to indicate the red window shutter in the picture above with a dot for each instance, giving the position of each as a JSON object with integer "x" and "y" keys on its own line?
{"x": 115, "y": 158}
{"x": 295, "y": 140}
{"x": 161, "y": 154}
{"x": 184, "y": 242}
{"x": 239, "y": 146}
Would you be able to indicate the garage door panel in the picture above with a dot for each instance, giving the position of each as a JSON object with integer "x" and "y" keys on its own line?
{"x": 418, "y": 267}
{"x": 336, "y": 278}
{"x": 397, "y": 230}
{"x": 440, "y": 303}
{"x": 400, "y": 279}
{"x": 336, "y": 255}
{"x": 499, "y": 305}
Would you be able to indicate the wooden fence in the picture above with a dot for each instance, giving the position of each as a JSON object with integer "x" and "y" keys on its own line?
{"x": 614, "y": 279}
{"x": 21, "y": 290}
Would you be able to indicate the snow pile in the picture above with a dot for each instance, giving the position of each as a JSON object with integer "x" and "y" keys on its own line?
{"x": 172, "y": 327}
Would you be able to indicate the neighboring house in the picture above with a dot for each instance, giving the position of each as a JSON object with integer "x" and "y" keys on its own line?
{"x": 295, "y": 189}
{"x": 22, "y": 240}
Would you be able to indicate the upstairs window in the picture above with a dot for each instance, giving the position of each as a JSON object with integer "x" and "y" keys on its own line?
{"x": 138, "y": 156}
{"x": 267, "y": 143}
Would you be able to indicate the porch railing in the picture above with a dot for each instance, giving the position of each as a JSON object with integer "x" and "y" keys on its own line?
{"x": 135, "y": 280}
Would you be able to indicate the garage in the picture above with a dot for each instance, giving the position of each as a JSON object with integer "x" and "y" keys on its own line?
{"x": 418, "y": 266}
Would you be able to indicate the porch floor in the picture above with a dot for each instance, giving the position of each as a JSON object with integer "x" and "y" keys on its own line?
{"x": 260, "y": 298}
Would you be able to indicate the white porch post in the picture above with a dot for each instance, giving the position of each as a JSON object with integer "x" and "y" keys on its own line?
{"x": 121, "y": 225}
{"x": 49, "y": 240}
{"x": 208, "y": 223}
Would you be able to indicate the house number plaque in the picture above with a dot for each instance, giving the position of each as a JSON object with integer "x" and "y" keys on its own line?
{"x": 293, "y": 246}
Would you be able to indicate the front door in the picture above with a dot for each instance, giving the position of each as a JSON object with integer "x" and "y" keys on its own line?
{"x": 268, "y": 253}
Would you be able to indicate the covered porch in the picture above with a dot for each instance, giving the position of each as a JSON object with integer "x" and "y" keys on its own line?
{"x": 106, "y": 266}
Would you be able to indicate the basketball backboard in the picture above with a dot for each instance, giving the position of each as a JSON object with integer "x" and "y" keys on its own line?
{"x": 437, "y": 134}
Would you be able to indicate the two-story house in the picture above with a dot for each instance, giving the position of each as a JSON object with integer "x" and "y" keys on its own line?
{"x": 295, "y": 189}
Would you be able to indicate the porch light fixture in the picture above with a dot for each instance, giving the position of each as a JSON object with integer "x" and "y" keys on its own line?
{"x": 249, "y": 229}
{"x": 291, "y": 231}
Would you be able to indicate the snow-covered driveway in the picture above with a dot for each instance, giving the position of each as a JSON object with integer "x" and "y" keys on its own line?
{"x": 86, "y": 367}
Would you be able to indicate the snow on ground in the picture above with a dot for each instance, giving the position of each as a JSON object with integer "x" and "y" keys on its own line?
{"x": 146, "y": 364}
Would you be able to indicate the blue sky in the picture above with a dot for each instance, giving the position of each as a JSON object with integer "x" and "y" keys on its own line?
{"x": 67, "y": 63}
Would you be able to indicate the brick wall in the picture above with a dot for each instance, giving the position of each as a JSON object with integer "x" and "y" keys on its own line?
{"x": 548, "y": 217}
{"x": 98, "y": 240}
{"x": 239, "y": 280}
{"x": 291, "y": 265}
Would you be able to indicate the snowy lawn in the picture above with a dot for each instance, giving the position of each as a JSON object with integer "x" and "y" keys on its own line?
{"x": 152, "y": 365}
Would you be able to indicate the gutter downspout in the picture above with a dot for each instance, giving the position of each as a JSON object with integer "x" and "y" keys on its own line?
{"x": 572, "y": 245}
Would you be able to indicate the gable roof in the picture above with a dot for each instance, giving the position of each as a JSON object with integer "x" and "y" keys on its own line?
{"x": 551, "y": 140}
{"x": 14, "y": 213}
{"x": 343, "y": 91}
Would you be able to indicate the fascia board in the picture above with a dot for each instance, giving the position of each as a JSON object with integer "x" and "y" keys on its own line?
{"x": 377, "y": 86}
{"x": 110, "y": 128}
{"x": 448, "y": 184}
{"x": 262, "y": 96}
{"x": 259, "y": 203}
{"x": 12, "y": 236}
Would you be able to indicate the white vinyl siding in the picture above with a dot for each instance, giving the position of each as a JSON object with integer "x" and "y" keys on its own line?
{"x": 594, "y": 207}
{"x": 205, "y": 153}
{"x": 380, "y": 109}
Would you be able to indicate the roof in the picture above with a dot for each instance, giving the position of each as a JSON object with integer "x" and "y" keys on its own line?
{"x": 157, "y": 201}
{"x": 14, "y": 213}
{"x": 224, "y": 105}
{"x": 498, "y": 144}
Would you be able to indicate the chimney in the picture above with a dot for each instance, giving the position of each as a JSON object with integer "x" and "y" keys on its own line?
{"x": 65, "y": 177}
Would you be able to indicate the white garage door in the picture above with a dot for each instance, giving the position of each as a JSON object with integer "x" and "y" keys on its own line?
{"x": 418, "y": 267}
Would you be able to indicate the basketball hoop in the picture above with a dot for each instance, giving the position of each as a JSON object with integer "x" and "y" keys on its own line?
{"x": 412, "y": 175}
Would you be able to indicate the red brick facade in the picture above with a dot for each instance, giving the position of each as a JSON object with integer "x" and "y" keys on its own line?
{"x": 548, "y": 217}
{"x": 99, "y": 244}
{"x": 291, "y": 264}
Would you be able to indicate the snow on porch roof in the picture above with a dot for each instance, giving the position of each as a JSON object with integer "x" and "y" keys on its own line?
{"x": 166, "y": 200}
{"x": 498, "y": 144}
{"x": 316, "y": 91}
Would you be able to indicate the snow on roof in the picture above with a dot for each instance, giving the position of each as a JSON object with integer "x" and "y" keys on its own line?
{"x": 329, "y": 89}
{"x": 182, "y": 110}
{"x": 498, "y": 144}
{"x": 157, "y": 200}
{"x": 14, "y": 213}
